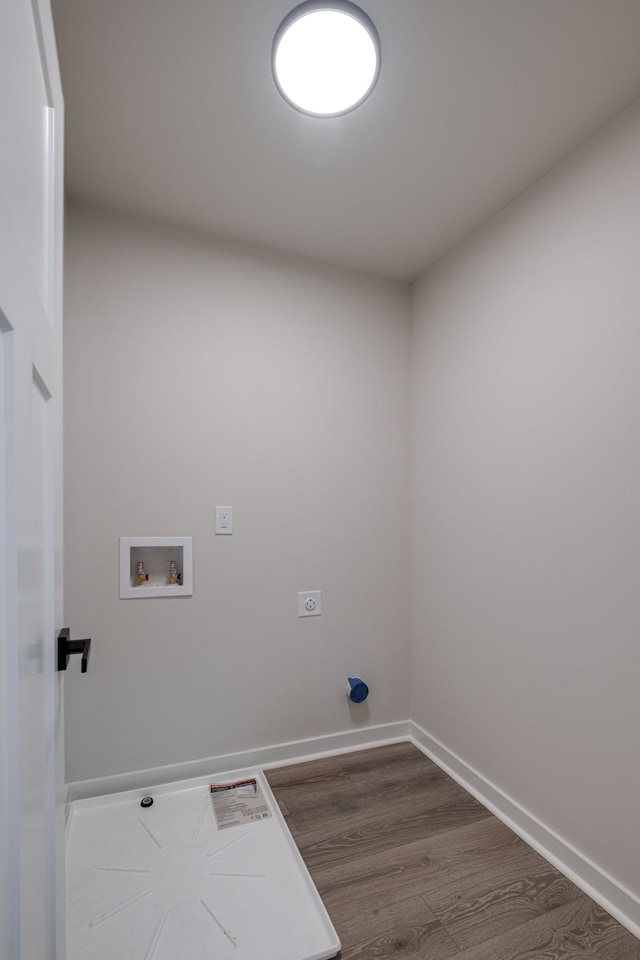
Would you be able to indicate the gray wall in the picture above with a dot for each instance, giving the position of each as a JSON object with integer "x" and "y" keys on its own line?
{"x": 526, "y": 501}
{"x": 200, "y": 374}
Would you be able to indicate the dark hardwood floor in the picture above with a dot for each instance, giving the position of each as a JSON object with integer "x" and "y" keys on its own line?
{"x": 410, "y": 865}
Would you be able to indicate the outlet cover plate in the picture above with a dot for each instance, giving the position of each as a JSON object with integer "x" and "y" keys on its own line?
{"x": 224, "y": 520}
{"x": 310, "y": 603}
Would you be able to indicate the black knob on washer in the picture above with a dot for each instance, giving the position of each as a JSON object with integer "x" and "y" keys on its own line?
{"x": 146, "y": 801}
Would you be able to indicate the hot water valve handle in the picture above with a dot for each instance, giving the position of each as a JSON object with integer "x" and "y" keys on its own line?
{"x": 66, "y": 647}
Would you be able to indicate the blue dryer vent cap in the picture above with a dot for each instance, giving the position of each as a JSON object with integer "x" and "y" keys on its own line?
{"x": 359, "y": 690}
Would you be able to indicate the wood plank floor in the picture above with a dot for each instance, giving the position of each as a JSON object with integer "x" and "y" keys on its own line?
{"x": 410, "y": 865}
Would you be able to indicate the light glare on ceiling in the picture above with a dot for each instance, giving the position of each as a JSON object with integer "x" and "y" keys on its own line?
{"x": 326, "y": 57}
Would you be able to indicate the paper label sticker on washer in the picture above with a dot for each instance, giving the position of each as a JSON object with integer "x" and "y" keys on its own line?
{"x": 239, "y": 802}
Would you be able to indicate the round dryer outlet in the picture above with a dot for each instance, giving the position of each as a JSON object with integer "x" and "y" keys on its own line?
{"x": 310, "y": 603}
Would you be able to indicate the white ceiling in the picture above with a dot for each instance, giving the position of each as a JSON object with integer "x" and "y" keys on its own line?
{"x": 172, "y": 113}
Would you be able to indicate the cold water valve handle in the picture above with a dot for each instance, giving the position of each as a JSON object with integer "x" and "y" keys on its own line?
{"x": 66, "y": 647}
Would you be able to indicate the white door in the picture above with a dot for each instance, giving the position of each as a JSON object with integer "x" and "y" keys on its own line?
{"x": 31, "y": 757}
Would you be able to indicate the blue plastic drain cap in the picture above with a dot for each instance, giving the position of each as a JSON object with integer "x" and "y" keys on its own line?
{"x": 359, "y": 690}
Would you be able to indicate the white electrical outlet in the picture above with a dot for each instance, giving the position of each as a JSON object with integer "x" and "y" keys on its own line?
{"x": 224, "y": 519}
{"x": 310, "y": 603}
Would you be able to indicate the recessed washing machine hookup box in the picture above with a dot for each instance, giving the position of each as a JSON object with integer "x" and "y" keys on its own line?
{"x": 155, "y": 567}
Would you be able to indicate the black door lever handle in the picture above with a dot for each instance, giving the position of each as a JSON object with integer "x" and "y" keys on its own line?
{"x": 66, "y": 647}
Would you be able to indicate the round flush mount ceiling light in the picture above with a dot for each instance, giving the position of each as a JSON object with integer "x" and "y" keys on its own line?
{"x": 326, "y": 57}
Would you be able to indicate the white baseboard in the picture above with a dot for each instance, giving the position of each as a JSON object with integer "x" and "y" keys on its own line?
{"x": 595, "y": 882}
{"x": 297, "y": 751}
